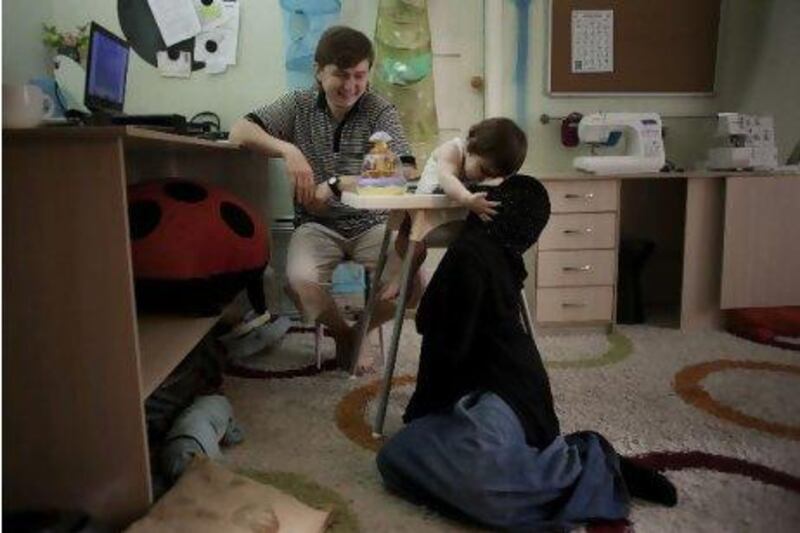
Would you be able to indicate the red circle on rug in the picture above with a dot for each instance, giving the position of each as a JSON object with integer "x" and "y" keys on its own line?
{"x": 688, "y": 386}
{"x": 352, "y": 410}
{"x": 240, "y": 370}
{"x": 716, "y": 463}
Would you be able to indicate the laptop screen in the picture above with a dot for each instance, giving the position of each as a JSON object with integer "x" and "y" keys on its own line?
{"x": 107, "y": 71}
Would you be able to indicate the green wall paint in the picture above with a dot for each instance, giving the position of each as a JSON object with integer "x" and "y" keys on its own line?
{"x": 24, "y": 55}
{"x": 759, "y": 64}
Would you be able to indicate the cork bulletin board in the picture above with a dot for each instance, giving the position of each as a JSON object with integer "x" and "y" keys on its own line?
{"x": 655, "y": 46}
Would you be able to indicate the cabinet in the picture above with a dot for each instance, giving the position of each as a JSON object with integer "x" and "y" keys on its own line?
{"x": 576, "y": 255}
{"x": 761, "y": 258}
{"x": 78, "y": 362}
{"x": 689, "y": 216}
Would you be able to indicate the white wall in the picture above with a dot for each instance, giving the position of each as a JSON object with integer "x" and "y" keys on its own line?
{"x": 759, "y": 64}
{"x": 257, "y": 77}
{"x": 684, "y": 136}
{"x": 24, "y": 55}
{"x": 757, "y": 71}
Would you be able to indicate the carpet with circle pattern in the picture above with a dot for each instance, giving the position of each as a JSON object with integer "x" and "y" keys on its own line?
{"x": 718, "y": 414}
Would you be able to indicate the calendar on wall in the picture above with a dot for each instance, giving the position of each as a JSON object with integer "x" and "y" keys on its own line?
{"x": 592, "y": 41}
{"x": 632, "y": 46}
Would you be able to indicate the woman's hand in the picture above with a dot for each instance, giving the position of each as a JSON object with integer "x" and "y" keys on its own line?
{"x": 478, "y": 204}
{"x": 301, "y": 175}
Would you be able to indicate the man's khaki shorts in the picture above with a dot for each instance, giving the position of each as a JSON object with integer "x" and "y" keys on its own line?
{"x": 315, "y": 251}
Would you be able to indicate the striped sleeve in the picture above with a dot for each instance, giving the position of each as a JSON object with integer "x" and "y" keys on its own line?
{"x": 277, "y": 118}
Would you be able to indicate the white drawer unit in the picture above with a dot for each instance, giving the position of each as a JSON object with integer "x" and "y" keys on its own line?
{"x": 582, "y": 196}
{"x": 576, "y": 260}
{"x": 574, "y": 304}
{"x": 579, "y": 268}
{"x": 577, "y": 231}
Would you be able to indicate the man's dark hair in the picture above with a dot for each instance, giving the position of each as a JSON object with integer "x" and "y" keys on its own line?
{"x": 344, "y": 47}
{"x": 501, "y": 142}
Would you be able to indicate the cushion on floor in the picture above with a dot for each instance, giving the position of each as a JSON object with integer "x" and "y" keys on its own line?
{"x": 776, "y": 326}
{"x": 210, "y": 498}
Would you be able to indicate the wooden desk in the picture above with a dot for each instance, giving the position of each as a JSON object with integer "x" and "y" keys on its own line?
{"x": 692, "y": 216}
{"x": 78, "y": 362}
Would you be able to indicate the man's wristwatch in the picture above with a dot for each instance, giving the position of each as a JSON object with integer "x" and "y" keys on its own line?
{"x": 333, "y": 183}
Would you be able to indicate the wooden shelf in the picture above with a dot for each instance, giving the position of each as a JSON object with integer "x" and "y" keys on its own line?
{"x": 83, "y": 382}
{"x": 164, "y": 340}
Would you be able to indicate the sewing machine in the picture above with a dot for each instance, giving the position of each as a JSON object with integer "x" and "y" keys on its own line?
{"x": 644, "y": 146}
{"x": 747, "y": 142}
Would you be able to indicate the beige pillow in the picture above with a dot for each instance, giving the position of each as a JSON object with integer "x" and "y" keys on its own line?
{"x": 210, "y": 498}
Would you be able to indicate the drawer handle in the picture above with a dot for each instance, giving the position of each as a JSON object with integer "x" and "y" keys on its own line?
{"x": 573, "y": 196}
{"x": 577, "y": 231}
{"x": 584, "y": 268}
{"x": 572, "y": 305}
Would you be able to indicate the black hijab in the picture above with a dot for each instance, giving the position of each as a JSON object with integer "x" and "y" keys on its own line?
{"x": 522, "y": 215}
{"x": 469, "y": 317}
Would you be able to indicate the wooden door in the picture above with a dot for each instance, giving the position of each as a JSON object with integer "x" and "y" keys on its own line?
{"x": 457, "y": 39}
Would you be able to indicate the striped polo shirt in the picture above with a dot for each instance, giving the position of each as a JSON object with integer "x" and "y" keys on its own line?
{"x": 333, "y": 148}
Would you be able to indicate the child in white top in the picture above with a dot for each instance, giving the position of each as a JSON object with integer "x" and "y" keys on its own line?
{"x": 494, "y": 149}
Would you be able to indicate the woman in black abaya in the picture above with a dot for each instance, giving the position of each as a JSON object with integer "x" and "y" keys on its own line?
{"x": 482, "y": 437}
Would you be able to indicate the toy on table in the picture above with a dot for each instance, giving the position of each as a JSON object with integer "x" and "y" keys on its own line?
{"x": 382, "y": 172}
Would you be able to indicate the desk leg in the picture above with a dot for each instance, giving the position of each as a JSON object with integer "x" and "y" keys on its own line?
{"x": 388, "y": 372}
{"x": 369, "y": 308}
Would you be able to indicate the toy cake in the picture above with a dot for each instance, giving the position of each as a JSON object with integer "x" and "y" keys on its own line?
{"x": 381, "y": 173}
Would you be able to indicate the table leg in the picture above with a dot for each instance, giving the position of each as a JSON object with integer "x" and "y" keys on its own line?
{"x": 526, "y": 313}
{"x": 388, "y": 371}
{"x": 369, "y": 306}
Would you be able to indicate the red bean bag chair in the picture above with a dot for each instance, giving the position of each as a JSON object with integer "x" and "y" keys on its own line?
{"x": 194, "y": 247}
{"x": 776, "y": 326}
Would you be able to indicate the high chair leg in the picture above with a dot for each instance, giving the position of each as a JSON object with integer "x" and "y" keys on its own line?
{"x": 318, "y": 345}
{"x": 380, "y": 342}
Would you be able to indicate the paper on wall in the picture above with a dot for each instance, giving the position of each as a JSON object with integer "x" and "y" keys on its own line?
{"x": 592, "y": 40}
{"x": 181, "y": 67}
{"x": 176, "y": 19}
{"x": 215, "y": 66}
{"x": 231, "y": 12}
{"x": 210, "y": 13}
{"x": 217, "y": 47}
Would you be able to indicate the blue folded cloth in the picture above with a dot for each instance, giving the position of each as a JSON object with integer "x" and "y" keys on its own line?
{"x": 199, "y": 430}
{"x": 474, "y": 460}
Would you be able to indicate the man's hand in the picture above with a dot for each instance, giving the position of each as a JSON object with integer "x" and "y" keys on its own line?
{"x": 301, "y": 175}
{"x": 478, "y": 204}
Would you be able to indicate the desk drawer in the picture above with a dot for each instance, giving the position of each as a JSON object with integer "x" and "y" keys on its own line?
{"x": 586, "y": 267}
{"x": 582, "y": 196}
{"x": 574, "y": 304}
{"x": 577, "y": 231}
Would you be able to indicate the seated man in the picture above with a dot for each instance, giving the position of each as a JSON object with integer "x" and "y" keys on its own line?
{"x": 323, "y": 132}
{"x": 483, "y": 438}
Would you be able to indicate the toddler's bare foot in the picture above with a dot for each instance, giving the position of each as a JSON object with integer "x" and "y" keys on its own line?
{"x": 391, "y": 290}
{"x": 345, "y": 353}
{"x": 366, "y": 363}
